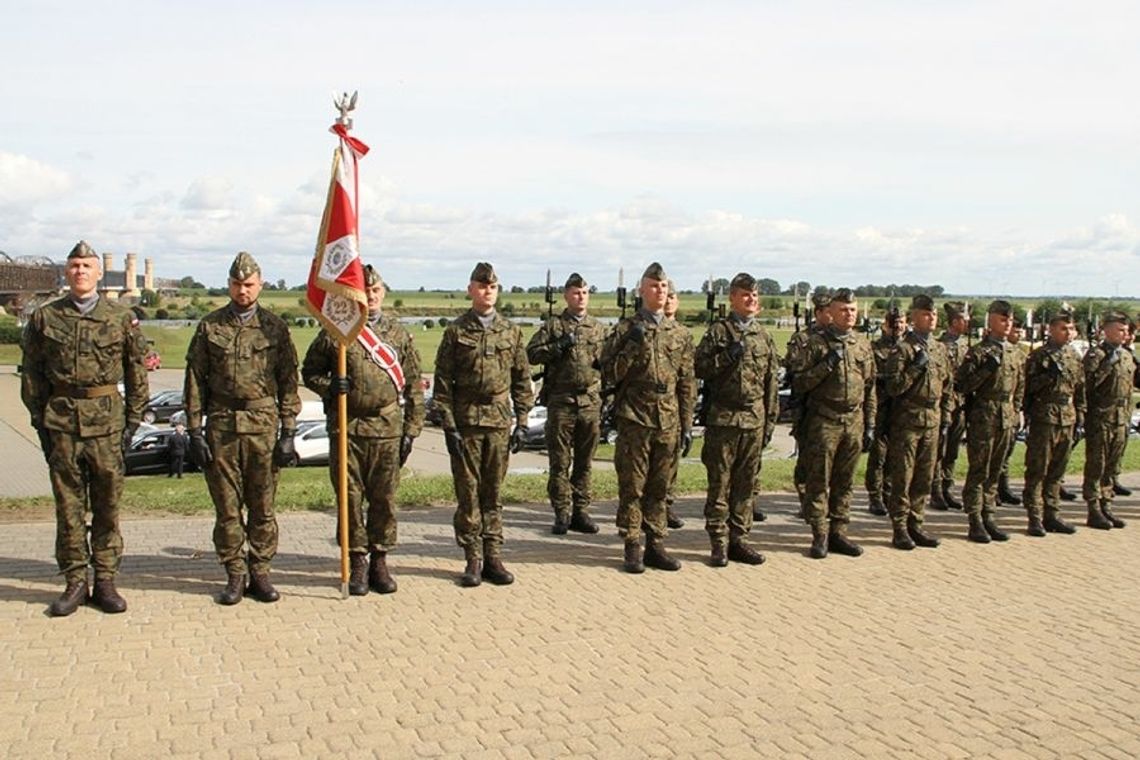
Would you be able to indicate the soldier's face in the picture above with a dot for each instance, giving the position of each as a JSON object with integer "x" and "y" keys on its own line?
{"x": 924, "y": 321}
{"x": 1014, "y": 334}
{"x": 483, "y": 295}
{"x": 654, "y": 293}
{"x": 999, "y": 325}
{"x": 375, "y": 295}
{"x": 822, "y": 317}
{"x": 745, "y": 303}
{"x": 83, "y": 275}
{"x": 1115, "y": 333}
{"x": 244, "y": 293}
{"x": 843, "y": 314}
{"x": 577, "y": 299}
{"x": 1059, "y": 333}
{"x": 671, "y": 304}
{"x": 899, "y": 327}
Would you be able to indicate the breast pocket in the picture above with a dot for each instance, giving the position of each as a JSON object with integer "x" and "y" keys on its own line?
{"x": 106, "y": 346}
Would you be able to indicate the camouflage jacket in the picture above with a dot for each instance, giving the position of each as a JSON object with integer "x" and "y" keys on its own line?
{"x": 993, "y": 396}
{"x": 882, "y": 347}
{"x": 481, "y": 375}
{"x": 572, "y": 378}
{"x": 742, "y": 393}
{"x": 653, "y": 379}
{"x": 921, "y": 396}
{"x": 242, "y": 375}
{"x": 955, "y": 354}
{"x": 841, "y": 392}
{"x": 375, "y": 408}
{"x": 1110, "y": 374}
{"x": 68, "y": 355}
{"x": 1054, "y": 386}
{"x": 796, "y": 344}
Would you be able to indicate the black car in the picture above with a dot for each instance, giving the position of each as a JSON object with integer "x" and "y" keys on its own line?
{"x": 150, "y": 454}
{"x": 162, "y": 406}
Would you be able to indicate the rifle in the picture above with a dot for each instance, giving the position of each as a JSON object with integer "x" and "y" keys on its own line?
{"x": 705, "y": 396}
{"x": 622, "y": 303}
{"x": 549, "y": 297}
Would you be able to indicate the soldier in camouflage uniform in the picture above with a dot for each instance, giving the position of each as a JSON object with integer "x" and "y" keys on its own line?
{"x": 737, "y": 360}
{"x": 796, "y": 344}
{"x": 835, "y": 376}
{"x": 569, "y": 347}
{"x": 648, "y": 360}
{"x": 1110, "y": 375}
{"x": 1021, "y": 354}
{"x": 991, "y": 380}
{"x": 1118, "y": 488}
{"x": 77, "y": 349}
{"x": 950, "y": 440}
{"x": 1055, "y": 409}
{"x": 876, "y": 480}
{"x": 385, "y": 413}
{"x": 241, "y": 372}
{"x": 920, "y": 386}
{"x": 672, "y": 519}
{"x": 482, "y": 384}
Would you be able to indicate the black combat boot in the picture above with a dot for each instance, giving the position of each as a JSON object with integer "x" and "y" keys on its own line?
{"x": 1067, "y": 495}
{"x": 672, "y": 520}
{"x": 1106, "y": 510}
{"x": 379, "y": 579}
{"x": 561, "y": 524}
{"x": 1006, "y": 496}
{"x": 818, "y": 542}
{"x": 632, "y": 562}
{"x": 74, "y": 594}
{"x": 877, "y": 507}
{"x": 719, "y": 555}
{"x": 234, "y": 590}
{"x": 1036, "y": 527}
{"x": 740, "y": 551}
{"x": 977, "y": 532}
{"x": 992, "y": 529}
{"x": 1096, "y": 518}
{"x": 107, "y": 598}
{"x": 919, "y": 536}
{"x": 936, "y": 501}
{"x": 495, "y": 572}
{"x": 261, "y": 589}
{"x": 358, "y": 575}
{"x": 947, "y": 496}
{"x": 1054, "y": 524}
{"x": 657, "y": 557}
{"x": 1119, "y": 489}
{"x": 472, "y": 573}
{"x": 580, "y": 522}
{"x": 758, "y": 513}
{"x": 838, "y": 543}
{"x": 901, "y": 538}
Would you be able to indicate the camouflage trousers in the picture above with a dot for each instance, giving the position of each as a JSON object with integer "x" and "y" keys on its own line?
{"x": 243, "y": 483}
{"x": 373, "y": 477}
{"x": 731, "y": 457}
{"x": 911, "y": 458}
{"x": 478, "y": 473}
{"x": 830, "y": 454}
{"x": 877, "y": 480}
{"x": 950, "y": 449}
{"x": 985, "y": 452}
{"x": 671, "y": 491}
{"x": 571, "y": 440}
{"x": 1104, "y": 450}
{"x": 1047, "y": 452}
{"x": 87, "y": 474}
{"x": 645, "y": 460}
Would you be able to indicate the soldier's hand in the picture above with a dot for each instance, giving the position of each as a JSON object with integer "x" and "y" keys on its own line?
{"x": 128, "y": 436}
{"x": 518, "y": 438}
{"x": 1078, "y": 434}
{"x": 340, "y": 386}
{"x": 992, "y": 362}
{"x": 1112, "y": 357}
{"x": 767, "y": 438}
{"x": 943, "y": 432}
{"x": 636, "y": 333}
{"x": 285, "y": 451}
{"x": 566, "y": 342}
{"x": 735, "y": 351}
{"x": 921, "y": 359}
{"x": 868, "y": 438}
{"x": 835, "y": 356}
{"x": 686, "y": 442}
{"x": 454, "y": 442}
{"x": 200, "y": 448}
{"x": 45, "y": 442}
{"x": 406, "y": 444}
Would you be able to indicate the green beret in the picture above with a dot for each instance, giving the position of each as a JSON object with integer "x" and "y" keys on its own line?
{"x": 821, "y": 300}
{"x": 654, "y": 272}
{"x": 843, "y": 295}
{"x": 575, "y": 280}
{"x": 82, "y": 251}
{"x": 244, "y": 267}
{"x": 743, "y": 281}
{"x": 922, "y": 302}
{"x": 371, "y": 276}
{"x": 484, "y": 272}
{"x": 954, "y": 309}
{"x": 1004, "y": 308}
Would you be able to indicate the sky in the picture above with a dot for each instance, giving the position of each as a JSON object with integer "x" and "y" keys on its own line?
{"x": 989, "y": 147}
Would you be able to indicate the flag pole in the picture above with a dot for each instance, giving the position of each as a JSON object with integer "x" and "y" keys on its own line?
{"x": 342, "y": 469}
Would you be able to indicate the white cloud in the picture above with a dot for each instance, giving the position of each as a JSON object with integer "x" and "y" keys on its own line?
{"x": 25, "y": 181}
{"x": 209, "y": 194}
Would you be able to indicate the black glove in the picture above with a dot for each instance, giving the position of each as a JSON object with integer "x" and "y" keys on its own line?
{"x": 566, "y": 342}
{"x": 921, "y": 359}
{"x": 735, "y": 351}
{"x": 1112, "y": 357}
{"x": 992, "y": 362}
{"x": 454, "y": 442}
{"x": 128, "y": 436}
{"x": 835, "y": 356}
{"x": 868, "y": 438}
{"x": 943, "y": 432}
{"x": 406, "y": 448}
{"x": 45, "y": 442}
{"x": 518, "y": 438}
{"x": 284, "y": 452}
{"x": 1078, "y": 434}
{"x": 686, "y": 442}
{"x": 340, "y": 386}
{"x": 636, "y": 333}
{"x": 200, "y": 449}
{"x": 767, "y": 438}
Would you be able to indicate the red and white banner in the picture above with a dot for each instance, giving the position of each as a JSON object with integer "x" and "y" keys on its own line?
{"x": 335, "y": 293}
{"x": 385, "y": 357}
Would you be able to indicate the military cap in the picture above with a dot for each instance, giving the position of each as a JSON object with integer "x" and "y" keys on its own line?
{"x": 82, "y": 251}
{"x": 821, "y": 300}
{"x": 654, "y": 272}
{"x": 843, "y": 295}
{"x": 244, "y": 267}
{"x": 922, "y": 302}
{"x": 371, "y": 276}
{"x": 575, "y": 280}
{"x": 1114, "y": 316}
{"x": 484, "y": 272}
{"x": 743, "y": 281}
{"x": 672, "y": 287}
{"x": 954, "y": 309}
{"x": 1002, "y": 307}
{"x": 1018, "y": 322}
{"x": 1063, "y": 315}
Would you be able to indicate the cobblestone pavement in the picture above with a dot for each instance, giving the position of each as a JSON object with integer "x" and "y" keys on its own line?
{"x": 1028, "y": 649}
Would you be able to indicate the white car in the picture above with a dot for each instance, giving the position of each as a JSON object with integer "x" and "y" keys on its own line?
{"x": 312, "y": 443}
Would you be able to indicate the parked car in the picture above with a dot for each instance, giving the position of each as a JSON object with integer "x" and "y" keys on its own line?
{"x": 150, "y": 454}
{"x": 535, "y": 435}
{"x": 152, "y": 361}
{"x": 162, "y": 406}
{"x": 312, "y": 443}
